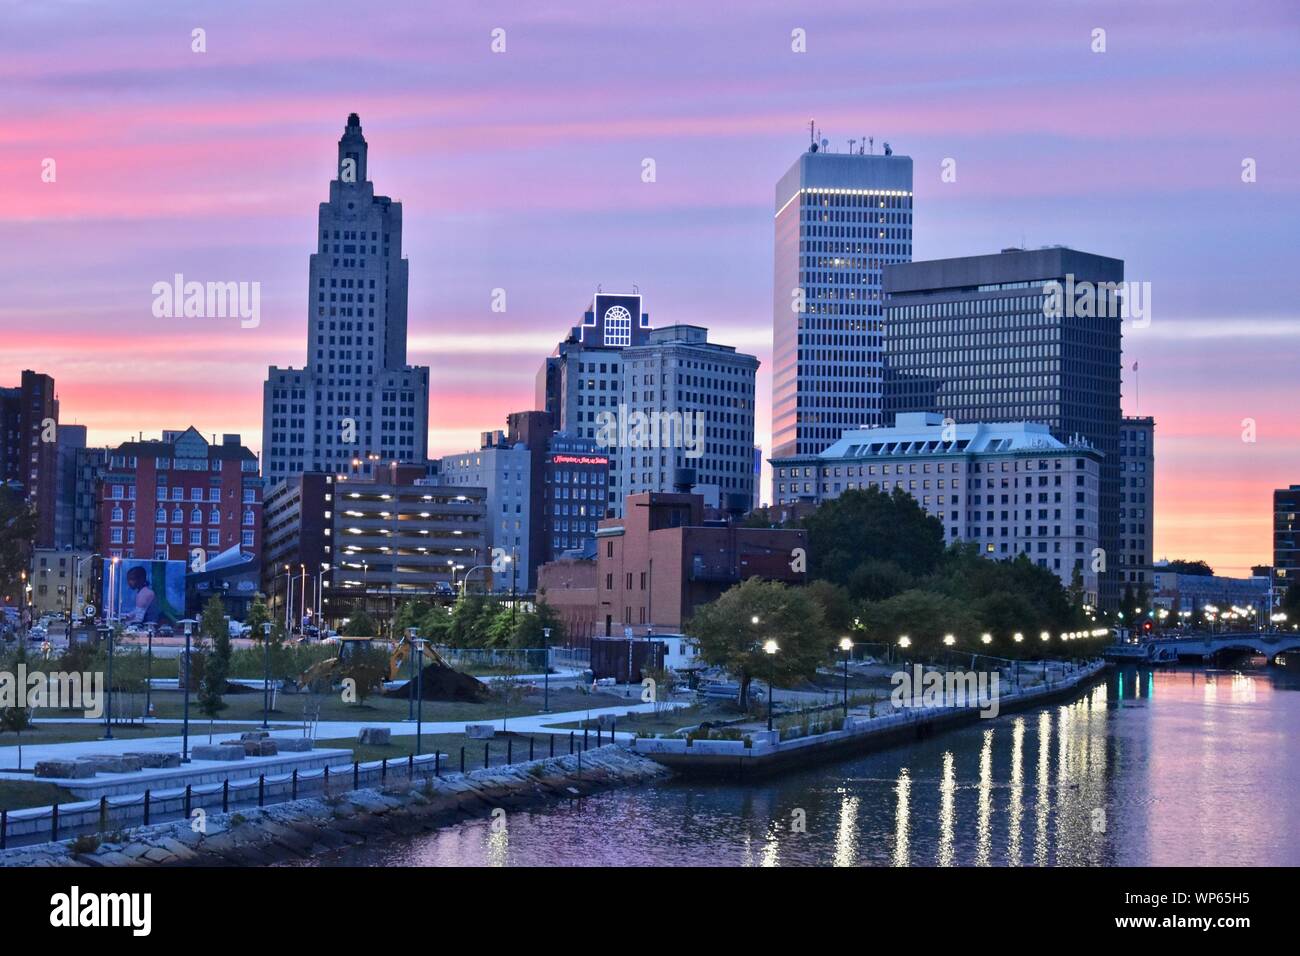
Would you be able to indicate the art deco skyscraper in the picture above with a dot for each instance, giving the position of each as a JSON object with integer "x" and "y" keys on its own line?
{"x": 356, "y": 401}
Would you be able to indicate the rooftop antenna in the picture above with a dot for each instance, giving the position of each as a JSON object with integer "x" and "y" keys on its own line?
{"x": 862, "y": 146}
{"x": 812, "y": 136}
{"x": 871, "y": 142}
{"x": 851, "y": 142}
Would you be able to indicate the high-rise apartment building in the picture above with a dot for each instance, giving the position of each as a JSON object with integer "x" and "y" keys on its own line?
{"x": 1286, "y": 539}
{"x": 1137, "y": 498}
{"x": 1024, "y": 335}
{"x": 29, "y": 456}
{"x": 71, "y": 445}
{"x": 356, "y": 403}
{"x": 840, "y": 219}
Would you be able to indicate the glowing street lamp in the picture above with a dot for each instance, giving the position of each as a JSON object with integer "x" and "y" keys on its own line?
{"x": 846, "y": 645}
{"x": 770, "y": 648}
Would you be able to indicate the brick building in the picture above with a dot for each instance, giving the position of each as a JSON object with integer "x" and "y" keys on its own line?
{"x": 180, "y": 498}
{"x": 664, "y": 558}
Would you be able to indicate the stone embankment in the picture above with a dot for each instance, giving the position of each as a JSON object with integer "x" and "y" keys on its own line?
{"x": 302, "y": 828}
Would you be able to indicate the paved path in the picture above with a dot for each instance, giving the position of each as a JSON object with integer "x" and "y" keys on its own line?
{"x": 325, "y": 730}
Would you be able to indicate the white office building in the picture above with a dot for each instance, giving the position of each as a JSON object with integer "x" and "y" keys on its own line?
{"x": 1010, "y": 487}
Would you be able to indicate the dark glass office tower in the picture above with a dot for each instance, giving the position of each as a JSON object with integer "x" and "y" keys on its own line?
{"x": 1025, "y": 335}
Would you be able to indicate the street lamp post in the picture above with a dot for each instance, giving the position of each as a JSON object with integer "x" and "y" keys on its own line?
{"x": 770, "y": 648}
{"x": 288, "y": 600}
{"x": 846, "y": 645}
{"x": 546, "y": 670}
{"x": 266, "y": 674}
{"x": 108, "y": 713}
{"x": 148, "y": 679}
{"x": 188, "y": 624}
{"x": 419, "y": 691}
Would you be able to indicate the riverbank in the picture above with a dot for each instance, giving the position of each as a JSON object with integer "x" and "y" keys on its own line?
{"x": 766, "y": 753}
{"x": 303, "y": 828}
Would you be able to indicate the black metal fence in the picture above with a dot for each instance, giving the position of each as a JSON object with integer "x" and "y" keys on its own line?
{"x": 107, "y": 814}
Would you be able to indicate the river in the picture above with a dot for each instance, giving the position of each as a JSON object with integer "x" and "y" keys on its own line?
{"x": 1146, "y": 768}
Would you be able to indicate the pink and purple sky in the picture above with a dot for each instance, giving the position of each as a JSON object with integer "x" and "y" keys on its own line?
{"x": 522, "y": 170}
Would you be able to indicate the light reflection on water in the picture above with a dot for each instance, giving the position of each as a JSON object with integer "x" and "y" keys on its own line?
{"x": 1176, "y": 767}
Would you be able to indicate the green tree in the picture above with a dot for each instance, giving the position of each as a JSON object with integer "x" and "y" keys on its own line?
{"x": 924, "y": 617}
{"x": 367, "y": 668}
{"x": 17, "y": 531}
{"x": 360, "y": 624}
{"x": 861, "y": 525}
{"x": 729, "y": 637}
{"x": 15, "y": 720}
{"x": 1183, "y": 566}
{"x": 216, "y": 665}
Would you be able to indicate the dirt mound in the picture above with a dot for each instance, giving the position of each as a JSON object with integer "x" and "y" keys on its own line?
{"x": 442, "y": 683}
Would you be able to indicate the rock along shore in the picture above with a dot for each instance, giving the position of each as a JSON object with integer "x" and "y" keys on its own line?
{"x": 303, "y": 828}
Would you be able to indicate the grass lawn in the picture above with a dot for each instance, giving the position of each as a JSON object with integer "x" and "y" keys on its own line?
{"x": 19, "y": 794}
{"x": 666, "y": 721}
{"x": 289, "y": 707}
{"x": 450, "y": 744}
{"x": 77, "y": 732}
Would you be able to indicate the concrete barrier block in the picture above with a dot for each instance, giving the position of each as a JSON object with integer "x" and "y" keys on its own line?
{"x": 480, "y": 731}
{"x": 375, "y": 736}
{"x": 294, "y": 744}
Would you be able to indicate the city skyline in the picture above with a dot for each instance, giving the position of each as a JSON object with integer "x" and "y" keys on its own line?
{"x": 541, "y": 193}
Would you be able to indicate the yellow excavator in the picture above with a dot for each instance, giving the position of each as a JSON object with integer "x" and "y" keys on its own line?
{"x": 323, "y": 672}
{"x": 403, "y": 651}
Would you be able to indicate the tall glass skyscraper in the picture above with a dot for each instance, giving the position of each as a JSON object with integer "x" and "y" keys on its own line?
{"x": 1025, "y": 335}
{"x": 840, "y": 219}
{"x": 356, "y": 402}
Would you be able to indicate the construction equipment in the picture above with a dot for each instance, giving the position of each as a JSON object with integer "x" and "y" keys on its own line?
{"x": 323, "y": 672}
{"x": 402, "y": 652}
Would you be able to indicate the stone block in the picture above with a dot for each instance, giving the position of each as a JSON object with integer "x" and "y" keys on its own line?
{"x": 217, "y": 752}
{"x": 255, "y": 735}
{"x": 294, "y": 744}
{"x": 376, "y": 736}
{"x": 65, "y": 769}
{"x": 480, "y": 731}
{"x": 114, "y": 763}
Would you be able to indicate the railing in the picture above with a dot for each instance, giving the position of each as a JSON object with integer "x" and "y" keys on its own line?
{"x": 36, "y": 825}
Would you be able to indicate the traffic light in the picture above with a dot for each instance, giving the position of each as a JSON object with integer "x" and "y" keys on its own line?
{"x": 1146, "y": 627}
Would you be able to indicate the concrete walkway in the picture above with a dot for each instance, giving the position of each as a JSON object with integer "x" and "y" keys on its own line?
{"x": 325, "y": 730}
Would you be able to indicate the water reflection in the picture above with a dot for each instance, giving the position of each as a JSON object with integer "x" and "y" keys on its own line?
{"x": 1148, "y": 768}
